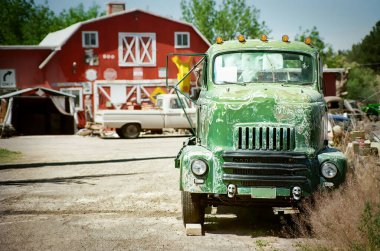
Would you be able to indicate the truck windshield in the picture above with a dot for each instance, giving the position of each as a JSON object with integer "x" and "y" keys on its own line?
{"x": 263, "y": 67}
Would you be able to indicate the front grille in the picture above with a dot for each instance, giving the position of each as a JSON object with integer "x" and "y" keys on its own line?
{"x": 261, "y": 171}
{"x": 266, "y": 168}
{"x": 265, "y": 138}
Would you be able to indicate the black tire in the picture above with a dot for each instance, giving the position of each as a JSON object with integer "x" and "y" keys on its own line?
{"x": 129, "y": 131}
{"x": 193, "y": 211}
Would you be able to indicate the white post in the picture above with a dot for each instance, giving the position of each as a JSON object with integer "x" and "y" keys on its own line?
{"x": 138, "y": 92}
{"x": 10, "y": 104}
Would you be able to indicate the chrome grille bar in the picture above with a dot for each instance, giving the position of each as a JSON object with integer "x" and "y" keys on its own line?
{"x": 265, "y": 138}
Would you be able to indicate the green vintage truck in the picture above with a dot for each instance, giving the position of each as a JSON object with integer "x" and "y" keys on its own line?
{"x": 260, "y": 137}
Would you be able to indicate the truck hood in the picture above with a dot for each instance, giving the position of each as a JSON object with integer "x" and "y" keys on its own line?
{"x": 295, "y": 109}
{"x": 279, "y": 93}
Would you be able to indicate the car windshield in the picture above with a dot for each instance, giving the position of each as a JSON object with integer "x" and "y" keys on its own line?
{"x": 263, "y": 67}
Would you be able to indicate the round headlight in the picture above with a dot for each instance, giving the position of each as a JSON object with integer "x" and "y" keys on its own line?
{"x": 329, "y": 170}
{"x": 199, "y": 167}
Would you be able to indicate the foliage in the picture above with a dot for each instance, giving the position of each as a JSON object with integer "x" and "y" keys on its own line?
{"x": 201, "y": 13}
{"x": 231, "y": 18}
{"x": 347, "y": 218}
{"x": 316, "y": 39}
{"x": 261, "y": 244}
{"x": 7, "y": 155}
{"x": 370, "y": 226}
{"x": 364, "y": 61}
{"x": 74, "y": 15}
{"x": 367, "y": 53}
{"x": 363, "y": 83}
{"x": 329, "y": 57}
{"x": 23, "y": 22}
{"x": 236, "y": 17}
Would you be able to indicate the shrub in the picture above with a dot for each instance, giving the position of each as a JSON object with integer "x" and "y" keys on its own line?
{"x": 370, "y": 227}
{"x": 347, "y": 218}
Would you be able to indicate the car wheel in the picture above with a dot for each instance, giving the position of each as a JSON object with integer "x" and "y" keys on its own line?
{"x": 129, "y": 131}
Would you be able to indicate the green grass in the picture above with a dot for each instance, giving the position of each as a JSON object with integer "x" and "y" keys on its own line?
{"x": 310, "y": 247}
{"x": 7, "y": 155}
{"x": 262, "y": 243}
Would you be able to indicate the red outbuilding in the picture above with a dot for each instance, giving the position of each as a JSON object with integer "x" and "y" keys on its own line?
{"x": 107, "y": 62}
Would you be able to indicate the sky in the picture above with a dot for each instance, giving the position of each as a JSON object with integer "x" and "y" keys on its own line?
{"x": 341, "y": 23}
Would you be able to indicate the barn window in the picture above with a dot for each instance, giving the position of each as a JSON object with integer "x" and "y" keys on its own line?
{"x": 78, "y": 92}
{"x": 137, "y": 49}
{"x": 182, "y": 39}
{"x": 90, "y": 39}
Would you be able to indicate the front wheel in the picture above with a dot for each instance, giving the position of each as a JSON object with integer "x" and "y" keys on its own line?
{"x": 193, "y": 211}
{"x": 129, "y": 131}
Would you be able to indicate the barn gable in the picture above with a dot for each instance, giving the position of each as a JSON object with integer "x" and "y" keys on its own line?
{"x": 59, "y": 38}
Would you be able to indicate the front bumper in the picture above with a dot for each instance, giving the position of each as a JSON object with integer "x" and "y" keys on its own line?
{"x": 258, "y": 174}
{"x": 267, "y": 169}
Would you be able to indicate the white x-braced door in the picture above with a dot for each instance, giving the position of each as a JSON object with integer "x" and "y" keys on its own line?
{"x": 137, "y": 49}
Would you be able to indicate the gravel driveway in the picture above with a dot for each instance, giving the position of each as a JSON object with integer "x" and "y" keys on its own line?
{"x": 87, "y": 193}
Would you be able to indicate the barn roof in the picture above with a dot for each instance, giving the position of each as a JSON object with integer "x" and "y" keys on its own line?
{"x": 26, "y": 47}
{"x": 60, "y": 37}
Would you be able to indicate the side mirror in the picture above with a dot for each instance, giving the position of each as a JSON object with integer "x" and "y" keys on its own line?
{"x": 195, "y": 93}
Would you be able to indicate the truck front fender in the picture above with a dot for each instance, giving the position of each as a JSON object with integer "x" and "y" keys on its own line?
{"x": 188, "y": 180}
{"x": 339, "y": 160}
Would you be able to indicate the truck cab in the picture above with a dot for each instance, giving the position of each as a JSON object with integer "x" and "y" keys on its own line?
{"x": 172, "y": 111}
{"x": 261, "y": 130}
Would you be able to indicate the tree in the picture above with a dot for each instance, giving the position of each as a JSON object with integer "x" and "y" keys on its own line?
{"x": 201, "y": 13}
{"x": 364, "y": 58}
{"x": 233, "y": 17}
{"x": 367, "y": 53}
{"x": 363, "y": 83}
{"x": 23, "y": 22}
{"x": 325, "y": 49}
{"x": 74, "y": 15}
{"x": 38, "y": 26}
{"x": 236, "y": 17}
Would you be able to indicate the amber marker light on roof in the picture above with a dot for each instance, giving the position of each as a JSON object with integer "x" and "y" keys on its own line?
{"x": 308, "y": 41}
{"x": 241, "y": 38}
{"x": 264, "y": 38}
{"x": 219, "y": 40}
{"x": 285, "y": 38}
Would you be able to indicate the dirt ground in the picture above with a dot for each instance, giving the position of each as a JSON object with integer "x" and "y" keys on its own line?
{"x": 87, "y": 193}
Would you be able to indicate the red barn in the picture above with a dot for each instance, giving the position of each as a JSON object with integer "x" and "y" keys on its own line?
{"x": 107, "y": 62}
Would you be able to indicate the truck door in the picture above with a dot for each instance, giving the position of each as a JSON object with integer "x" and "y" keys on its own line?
{"x": 175, "y": 117}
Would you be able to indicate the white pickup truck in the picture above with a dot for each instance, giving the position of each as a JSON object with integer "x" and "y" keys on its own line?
{"x": 129, "y": 123}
